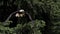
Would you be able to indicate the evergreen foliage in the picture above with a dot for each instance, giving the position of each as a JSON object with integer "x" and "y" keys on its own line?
{"x": 45, "y": 15}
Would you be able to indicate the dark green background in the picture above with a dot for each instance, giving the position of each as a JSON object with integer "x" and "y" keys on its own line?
{"x": 45, "y": 13}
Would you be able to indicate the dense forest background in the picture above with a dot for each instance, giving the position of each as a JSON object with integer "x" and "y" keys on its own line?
{"x": 45, "y": 15}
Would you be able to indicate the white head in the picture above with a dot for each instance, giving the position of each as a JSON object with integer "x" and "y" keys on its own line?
{"x": 21, "y": 10}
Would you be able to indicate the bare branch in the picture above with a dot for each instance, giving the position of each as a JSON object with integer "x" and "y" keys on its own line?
{"x": 29, "y": 16}
{"x": 10, "y": 16}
